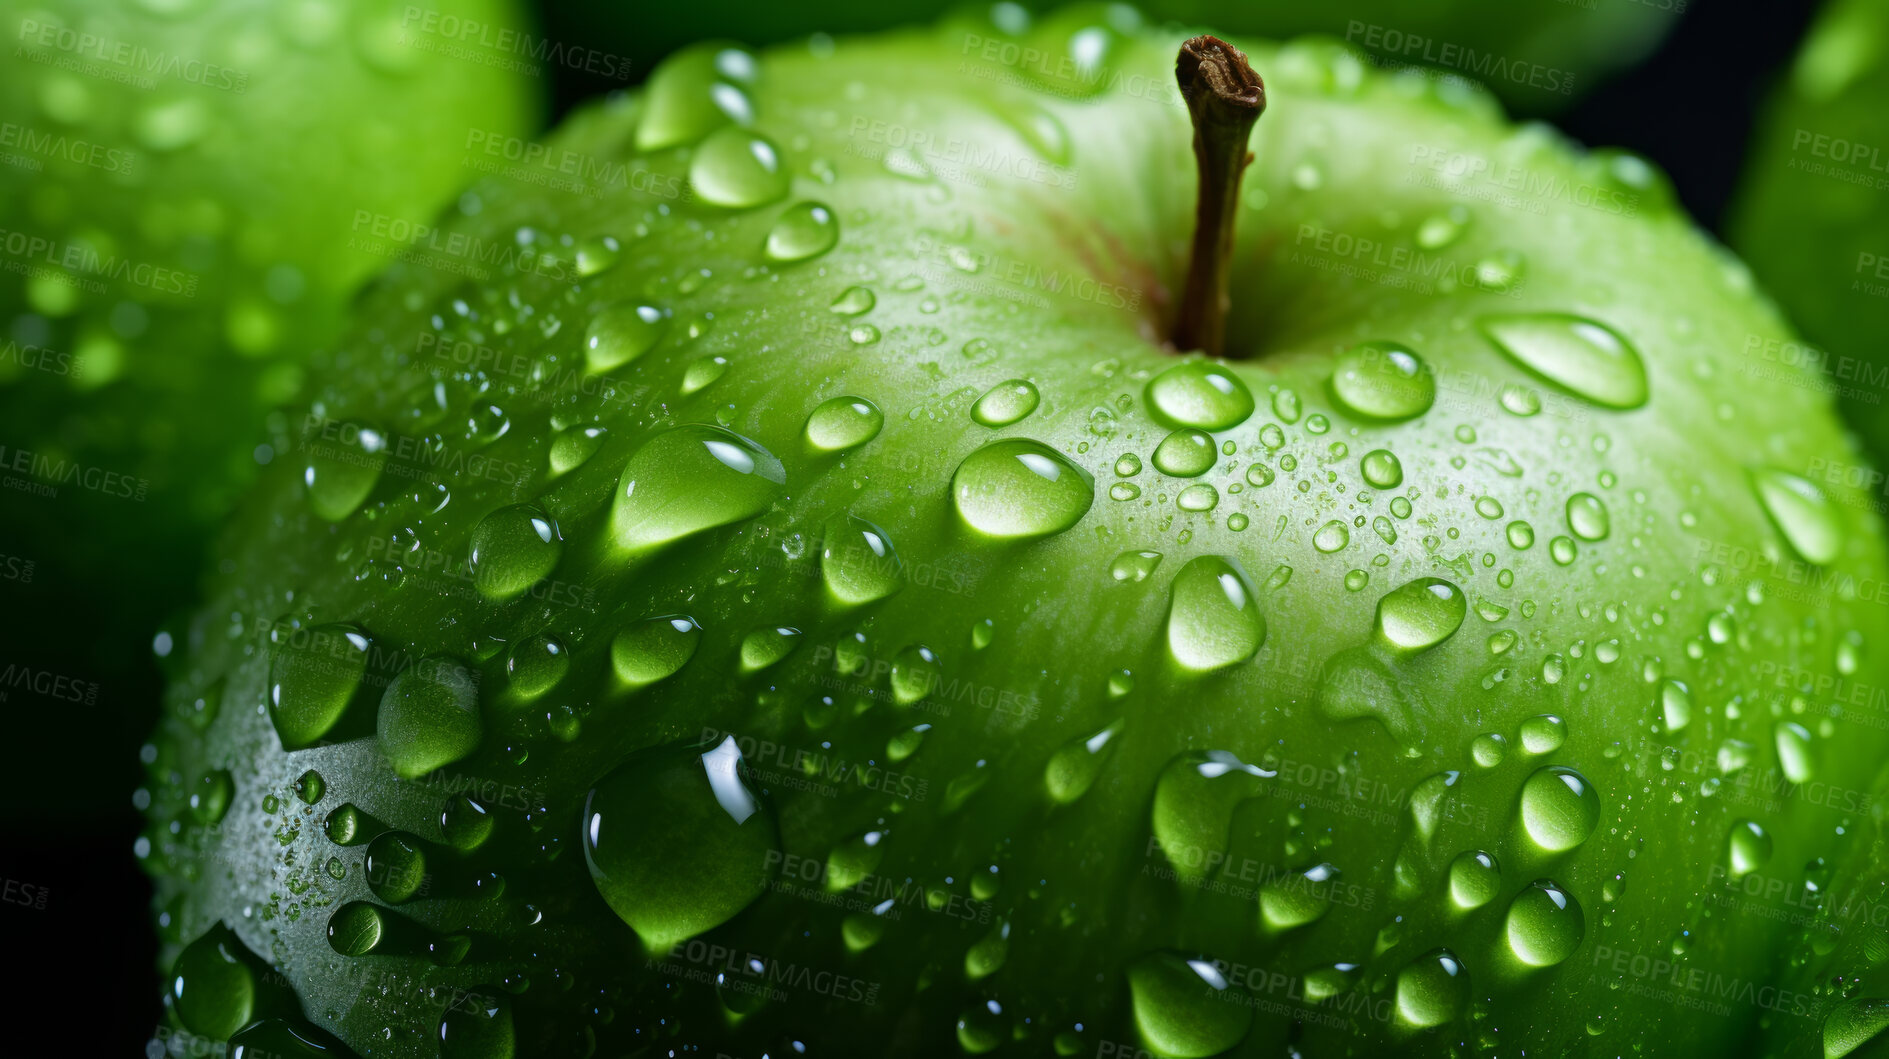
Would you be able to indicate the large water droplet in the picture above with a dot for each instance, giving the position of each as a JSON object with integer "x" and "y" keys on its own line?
{"x": 1006, "y": 403}
{"x": 1796, "y": 756}
{"x": 1213, "y": 615}
{"x": 1474, "y": 879}
{"x": 693, "y": 92}
{"x": 1582, "y": 356}
{"x": 689, "y": 479}
{"x": 1420, "y": 614}
{"x": 1381, "y": 469}
{"x": 1801, "y": 513}
{"x": 213, "y": 984}
{"x": 1199, "y": 394}
{"x": 807, "y": 229}
{"x": 1294, "y": 899}
{"x": 429, "y": 716}
{"x": 1383, "y": 381}
{"x": 676, "y": 841}
{"x": 1747, "y": 848}
{"x": 1544, "y": 924}
{"x": 344, "y": 464}
{"x": 737, "y": 169}
{"x": 620, "y": 334}
{"x": 653, "y": 649}
{"x": 1183, "y": 1007}
{"x": 841, "y": 423}
{"x": 396, "y": 867}
{"x": 1559, "y": 808}
{"x": 513, "y": 549}
{"x": 1432, "y": 989}
{"x": 1021, "y": 488}
{"x": 1073, "y": 768}
{"x": 1587, "y": 517}
{"x": 858, "y": 562}
{"x": 313, "y": 673}
{"x": 1186, "y": 453}
{"x": 478, "y": 1027}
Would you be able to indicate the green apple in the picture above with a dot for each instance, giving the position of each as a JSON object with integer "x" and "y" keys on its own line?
{"x": 1537, "y": 57}
{"x": 189, "y": 192}
{"x": 1812, "y": 214}
{"x": 842, "y": 621}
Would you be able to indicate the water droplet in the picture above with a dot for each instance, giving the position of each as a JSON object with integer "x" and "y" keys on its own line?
{"x": 310, "y": 787}
{"x": 1381, "y": 468}
{"x": 464, "y": 823}
{"x": 1586, "y": 358}
{"x": 1006, "y": 403}
{"x": 1587, "y": 517}
{"x": 1134, "y": 566}
{"x": 1544, "y": 924}
{"x": 1520, "y": 401}
{"x": 356, "y": 929}
{"x": 513, "y": 549}
{"x": 1795, "y": 754}
{"x": 841, "y": 423}
{"x": 1021, "y": 488}
{"x": 1562, "y": 551}
{"x": 737, "y": 169}
{"x": 1213, "y": 615}
{"x": 1852, "y": 1024}
{"x": 806, "y": 230}
{"x": 1198, "y": 497}
{"x": 213, "y": 984}
{"x": 854, "y": 300}
{"x": 481, "y": 1030}
{"x": 1488, "y": 749}
{"x": 1675, "y": 702}
{"x": 1073, "y": 768}
{"x": 1383, "y": 381}
{"x": 915, "y": 672}
{"x": 1474, "y": 879}
{"x": 597, "y": 255}
{"x": 1543, "y": 733}
{"x": 535, "y": 665}
{"x": 1420, "y": 614}
{"x": 1331, "y": 537}
{"x": 767, "y": 646}
{"x": 429, "y": 716}
{"x": 653, "y": 649}
{"x": 689, "y": 479}
{"x": 677, "y": 842}
{"x": 1199, "y": 394}
{"x": 858, "y": 562}
{"x": 1432, "y": 989}
{"x": 1747, "y": 848}
{"x": 1559, "y": 808}
{"x": 1182, "y": 1007}
{"x": 396, "y": 867}
{"x": 702, "y": 373}
{"x": 343, "y": 469}
{"x": 692, "y": 92}
{"x": 570, "y": 448}
{"x": 313, "y": 673}
{"x": 1186, "y": 453}
{"x": 1521, "y": 536}
{"x": 1801, "y": 513}
{"x": 210, "y": 801}
{"x": 620, "y": 334}
{"x": 1294, "y": 899}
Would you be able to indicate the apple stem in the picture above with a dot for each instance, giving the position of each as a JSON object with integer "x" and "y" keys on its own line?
{"x": 1225, "y": 98}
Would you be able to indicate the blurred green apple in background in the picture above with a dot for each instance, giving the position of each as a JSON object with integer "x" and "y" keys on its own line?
{"x": 818, "y": 603}
{"x": 1812, "y": 215}
{"x": 1537, "y": 56}
{"x": 188, "y": 195}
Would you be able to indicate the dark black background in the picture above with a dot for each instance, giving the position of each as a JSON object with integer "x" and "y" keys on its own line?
{"x": 84, "y": 965}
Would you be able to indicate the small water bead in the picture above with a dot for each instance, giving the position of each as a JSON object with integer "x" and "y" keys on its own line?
{"x": 690, "y": 479}
{"x": 767, "y": 646}
{"x": 653, "y": 649}
{"x": 1489, "y": 507}
{"x": 1474, "y": 879}
{"x": 806, "y": 230}
{"x": 858, "y": 563}
{"x": 535, "y": 665}
{"x": 1544, "y": 924}
{"x": 1520, "y": 401}
{"x": 210, "y": 801}
{"x": 1186, "y": 453}
{"x": 1213, "y": 615}
{"x": 1432, "y": 989}
{"x": 1198, "y": 497}
{"x": 1587, "y": 517}
{"x": 906, "y": 743}
{"x": 1381, "y": 469}
{"x": 1383, "y": 381}
{"x": 1018, "y": 488}
{"x": 1675, "y": 702}
{"x": 213, "y": 984}
{"x": 573, "y": 446}
{"x": 1073, "y": 768}
{"x": 313, "y": 674}
{"x": 622, "y": 333}
{"x": 1182, "y": 1007}
{"x": 1294, "y": 899}
{"x": 1357, "y": 580}
{"x": 356, "y": 929}
{"x": 481, "y": 1030}
{"x": 429, "y": 716}
{"x": 1287, "y": 406}
{"x": 914, "y": 673}
{"x": 1802, "y": 513}
{"x": 1521, "y": 536}
{"x": 513, "y": 549}
{"x": 1258, "y": 475}
{"x": 396, "y": 867}
{"x": 1747, "y": 848}
{"x": 986, "y": 956}
{"x": 1543, "y": 733}
{"x": 737, "y": 169}
{"x": 1420, "y": 614}
{"x": 702, "y": 373}
{"x": 310, "y": 787}
{"x": 1584, "y": 357}
{"x": 596, "y": 255}
{"x": 1124, "y": 491}
{"x": 1199, "y": 394}
{"x": 1795, "y": 754}
{"x": 1488, "y": 749}
{"x": 1006, "y": 403}
{"x": 1128, "y": 465}
{"x": 348, "y": 825}
{"x": 1134, "y": 566}
{"x": 677, "y": 842}
{"x": 1323, "y": 983}
{"x": 693, "y": 92}
{"x": 853, "y": 301}
{"x": 1441, "y": 229}
{"x": 1401, "y": 506}
{"x": 841, "y": 423}
{"x": 1559, "y": 808}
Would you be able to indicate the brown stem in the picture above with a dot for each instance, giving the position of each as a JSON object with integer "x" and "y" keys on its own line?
{"x": 1225, "y": 98}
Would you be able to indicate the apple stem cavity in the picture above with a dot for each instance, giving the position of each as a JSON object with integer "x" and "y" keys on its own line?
{"x": 1225, "y": 98}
